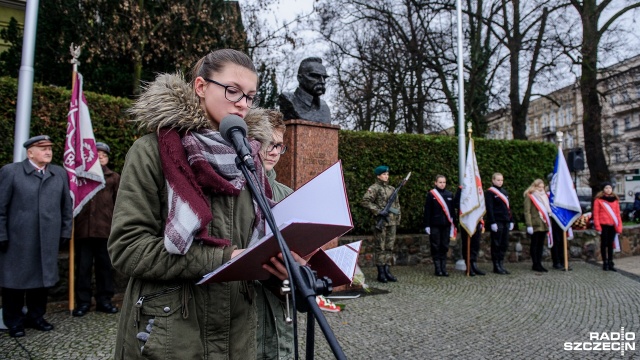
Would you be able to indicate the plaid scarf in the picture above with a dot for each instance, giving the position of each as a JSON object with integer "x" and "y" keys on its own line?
{"x": 207, "y": 169}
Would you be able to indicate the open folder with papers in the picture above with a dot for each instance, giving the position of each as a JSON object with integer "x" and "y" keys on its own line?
{"x": 310, "y": 217}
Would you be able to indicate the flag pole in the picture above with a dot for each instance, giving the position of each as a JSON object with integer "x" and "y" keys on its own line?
{"x": 75, "y": 54}
{"x": 469, "y": 131}
{"x": 559, "y": 136}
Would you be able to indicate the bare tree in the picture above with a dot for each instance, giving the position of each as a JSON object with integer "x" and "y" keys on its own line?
{"x": 592, "y": 33}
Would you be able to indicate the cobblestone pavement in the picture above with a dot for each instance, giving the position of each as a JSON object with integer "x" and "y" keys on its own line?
{"x": 524, "y": 315}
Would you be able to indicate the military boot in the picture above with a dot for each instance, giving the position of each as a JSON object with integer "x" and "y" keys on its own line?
{"x": 497, "y": 269}
{"x": 501, "y": 265}
{"x": 436, "y": 264}
{"x": 381, "y": 275}
{"x": 611, "y": 268}
{"x": 474, "y": 267}
{"x": 388, "y": 274}
{"x": 443, "y": 267}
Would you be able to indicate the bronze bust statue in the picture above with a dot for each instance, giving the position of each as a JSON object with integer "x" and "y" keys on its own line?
{"x": 305, "y": 103}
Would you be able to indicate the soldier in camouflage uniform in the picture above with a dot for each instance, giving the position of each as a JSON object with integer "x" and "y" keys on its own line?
{"x": 375, "y": 200}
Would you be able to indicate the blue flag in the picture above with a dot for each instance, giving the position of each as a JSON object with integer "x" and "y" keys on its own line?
{"x": 565, "y": 206}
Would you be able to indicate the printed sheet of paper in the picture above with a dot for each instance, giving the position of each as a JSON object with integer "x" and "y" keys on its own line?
{"x": 313, "y": 215}
{"x": 338, "y": 264}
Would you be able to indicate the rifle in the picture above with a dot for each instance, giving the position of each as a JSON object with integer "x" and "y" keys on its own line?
{"x": 384, "y": 214}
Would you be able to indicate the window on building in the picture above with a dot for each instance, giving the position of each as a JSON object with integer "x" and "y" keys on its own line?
{"x": 627, "y": 123}
{"x": 614, "y": 126}
{"x": 569, "y": 141}
{"x": 629, "y": 152}
{"x": 616, "y": 155}
{"x": 569, "y": 115}
{"x": 625, "y": 97}
{"x": 545, "y": 121}
{"x": 535, "y": 126}
{"x": 561, "y": 116}
{"x": 612, "y": 100}
{"x": 552, "y": 120}
{"x": 637, "y": 91}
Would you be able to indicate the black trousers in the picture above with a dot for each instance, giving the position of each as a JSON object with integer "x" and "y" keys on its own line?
{"x": 558, "y": 249}
{"x": 13, "y": 300}
{"x": 537, "y": 246}
{"x": 499, "y": 241}
{"x": 92, "y": 253}
{"x": 606, "y": 243}
{"x": 474, "y": 247}
{"x": 439, "y": 240}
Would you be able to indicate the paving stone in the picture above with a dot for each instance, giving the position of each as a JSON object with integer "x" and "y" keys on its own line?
{"x": 524, "y": 315}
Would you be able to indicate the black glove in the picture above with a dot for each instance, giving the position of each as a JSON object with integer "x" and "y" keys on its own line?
{"x": 64, "y": 241}
{"x": 4, "y": 246}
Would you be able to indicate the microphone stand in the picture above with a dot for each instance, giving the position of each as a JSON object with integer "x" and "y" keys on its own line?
{"x": 303, "y": 281}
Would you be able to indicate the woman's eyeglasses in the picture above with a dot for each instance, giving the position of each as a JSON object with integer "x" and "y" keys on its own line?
{"x": 282, "y": 148}
{"x": 234, "y": 94}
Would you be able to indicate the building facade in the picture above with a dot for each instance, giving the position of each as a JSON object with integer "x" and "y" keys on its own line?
{"x": 562, "y": 110}
{"x": 11, "y": 9}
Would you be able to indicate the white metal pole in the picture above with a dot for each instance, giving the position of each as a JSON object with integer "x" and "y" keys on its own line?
{"x": 25, "y": 81}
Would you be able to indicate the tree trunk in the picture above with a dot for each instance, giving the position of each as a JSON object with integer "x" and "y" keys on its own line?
{"x": 592, "y": 116}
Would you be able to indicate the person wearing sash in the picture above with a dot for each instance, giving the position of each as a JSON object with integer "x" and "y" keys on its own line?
{"x": 439, "y": 223}
{"x": 608, "y": 223}
{"x": 538, "y": 221}
{"x": 375, "y": 199}
{"x": 500, "y": 220}
{"x": 474, "y": 242}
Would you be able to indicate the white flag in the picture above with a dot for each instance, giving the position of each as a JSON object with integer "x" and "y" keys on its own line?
{"x": 472, "y": 206}
{"x": 563, "y": 200}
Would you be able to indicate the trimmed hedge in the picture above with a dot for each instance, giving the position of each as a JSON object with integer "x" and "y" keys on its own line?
{"x": 425, "y": 156}
{"x": 49, "y": 112}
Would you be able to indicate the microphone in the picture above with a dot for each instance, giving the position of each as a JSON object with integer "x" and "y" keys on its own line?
{"x": 234, "y": 130}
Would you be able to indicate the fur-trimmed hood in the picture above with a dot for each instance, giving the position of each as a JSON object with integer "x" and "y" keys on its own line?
{"x": 169, "y": 101}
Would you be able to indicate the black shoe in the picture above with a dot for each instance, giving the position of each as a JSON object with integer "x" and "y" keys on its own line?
{"x": 388, "y": 275}
{"x": 497, "y": 269}
{"x": 81, "y": 310}
{"x": 611, "y": 268}
{"x": 558, "y": 266}
{"x": 443, "y": 267}
{"x": 605, "y": 267}
{"x": 16, "y": 331}
{"x": 107, "y": 308}
{"x": 474, "y": 267}
{"x": 502, "y": 268}
{"x": 39, "y": 324}
{"x": 436, "y": 265}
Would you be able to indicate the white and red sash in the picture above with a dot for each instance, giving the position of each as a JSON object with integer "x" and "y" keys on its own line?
{"x": 499, "y": 194}
{"x": 453, "y": 232}
{"x": 616, "y": 239}
{"x": 545, "y": 216}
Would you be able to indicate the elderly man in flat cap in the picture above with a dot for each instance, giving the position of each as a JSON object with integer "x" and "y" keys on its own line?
{"x": 35, "y": 217}
{"x": 375, "y": 200}
{"x": 92, "y": 229}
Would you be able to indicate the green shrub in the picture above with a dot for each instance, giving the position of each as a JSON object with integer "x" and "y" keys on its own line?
{"x": 49, "y": 111}
{"x": 425, "y": 156}
{"x": 520, "y": 162}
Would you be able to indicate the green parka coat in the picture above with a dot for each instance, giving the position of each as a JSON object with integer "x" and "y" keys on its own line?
{"x": 211, "y": 321}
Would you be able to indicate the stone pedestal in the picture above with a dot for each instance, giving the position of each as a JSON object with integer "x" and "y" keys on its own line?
{"x": 312, "y": 147}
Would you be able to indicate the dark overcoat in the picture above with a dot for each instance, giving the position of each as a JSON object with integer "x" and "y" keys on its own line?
{"x": 35, "y": 212}
{"x": 94, "y": 220}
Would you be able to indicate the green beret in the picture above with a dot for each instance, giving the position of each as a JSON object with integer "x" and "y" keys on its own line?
{"x": 381, "y": 169}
